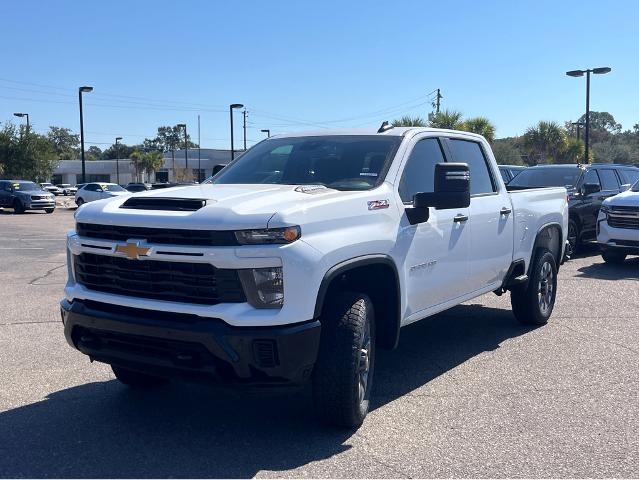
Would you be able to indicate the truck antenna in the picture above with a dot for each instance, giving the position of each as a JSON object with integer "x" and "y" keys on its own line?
{"x": 385, "y": 126}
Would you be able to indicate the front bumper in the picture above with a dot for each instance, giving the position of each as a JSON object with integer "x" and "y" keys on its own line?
{"x": 39, "y": 204}
{"x": 192, "y": 347}
{"x": 618, "y": 239}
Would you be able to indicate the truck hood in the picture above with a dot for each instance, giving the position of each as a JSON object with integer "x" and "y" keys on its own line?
{"x": 228, "y": 207}
{"x": 624, "y": 199}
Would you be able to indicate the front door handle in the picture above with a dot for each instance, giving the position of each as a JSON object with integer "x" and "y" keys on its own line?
{"x": 460, "y": 218}
{"x": 505, "y": 211}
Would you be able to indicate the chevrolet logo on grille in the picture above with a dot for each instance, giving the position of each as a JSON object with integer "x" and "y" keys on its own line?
{"x": 132, "y": 250}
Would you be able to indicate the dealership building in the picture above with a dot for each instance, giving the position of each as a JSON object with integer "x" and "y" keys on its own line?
{"x": 123, "y": 171}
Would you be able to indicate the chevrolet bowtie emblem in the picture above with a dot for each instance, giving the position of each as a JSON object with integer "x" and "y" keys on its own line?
{"x": 132, "y": 250}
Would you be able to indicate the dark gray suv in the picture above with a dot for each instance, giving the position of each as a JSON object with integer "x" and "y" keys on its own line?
{"x": 23, "y": 195}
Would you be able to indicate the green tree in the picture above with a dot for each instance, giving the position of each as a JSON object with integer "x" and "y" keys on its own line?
{"x": 93, "y": 153}
{"x": 573, "y": 151}
{"x": 449, "y": 119}
{"x": 123, "y": 151}
{"x": 65, "y": 143}
{"x": 151, "y": 161}
{"x": 481, "y": 126}
{"x": 545, "y": 141}
{"x": 506, "y": 153}
{"x": 136, "y": 160}
{"x": 26, "y": 155}
{"x": 612, "y": 152}
{"x": 408, "y": 121}
{"x": 168, "y": 138}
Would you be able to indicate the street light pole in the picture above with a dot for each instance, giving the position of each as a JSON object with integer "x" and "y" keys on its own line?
{"x": 580, "y": 73}
{"x": 117, "y": 160}
{"x": 231, "y": 107}
{"x": 244, "y": 112}
{"x": 199, "y": 155}
{"x": 82, "y": 90}
{"x": 23, "y": 115}
{"x": 267, "y": 131}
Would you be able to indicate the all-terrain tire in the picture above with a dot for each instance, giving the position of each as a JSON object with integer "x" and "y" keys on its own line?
{"x": 49, "y": 210}
{"x": 343, "y": 373}
{"x": 533, "y": 305}
{"x": 135, "y": 379}
{"x": 18, "y": 207}
{"x": 79, "y": 202}
{"x": 610, "y": 256}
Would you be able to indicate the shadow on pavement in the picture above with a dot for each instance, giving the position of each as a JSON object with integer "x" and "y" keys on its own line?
{"x": 103, "y": 429}
{"x": 628, "y": 270}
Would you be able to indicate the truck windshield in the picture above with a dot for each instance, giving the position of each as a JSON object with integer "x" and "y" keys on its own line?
{"x": 547, "y": 177}
{"x": 339, "y": 162}
{"x": 25, "y": 186}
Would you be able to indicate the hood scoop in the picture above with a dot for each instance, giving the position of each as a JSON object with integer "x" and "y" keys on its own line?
{"x": 165, "y": 203}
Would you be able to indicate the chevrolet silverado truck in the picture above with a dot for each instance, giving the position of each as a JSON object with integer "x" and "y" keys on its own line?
{"x": 618, "y": 226}
{"x": 304, "y": 256}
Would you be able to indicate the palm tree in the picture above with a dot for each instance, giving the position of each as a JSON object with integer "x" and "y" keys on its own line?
{"x": 408, "y": 121}
{"x": 151, "y": 161}
{"x": 136, "y": 158}
{"x": 481, "y": 126}
{"x": 546, "y": 140}
{"x": 573, "y": 151}
{"x": 449, "y": 119}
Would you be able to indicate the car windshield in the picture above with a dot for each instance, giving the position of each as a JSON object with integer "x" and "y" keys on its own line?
{"x": 339, "y": 162}
{"x": 25, "y": 186}
{"x": 111, "y": 188}
{"x": 547, "y": 177}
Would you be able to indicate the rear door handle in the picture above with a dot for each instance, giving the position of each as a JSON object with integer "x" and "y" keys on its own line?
{"x": 460, "y": 218}
{"x": 505, "y": 211}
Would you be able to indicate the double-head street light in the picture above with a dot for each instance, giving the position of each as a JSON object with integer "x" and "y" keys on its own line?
{"x": 82, "y": 90}
{"x": 580, "y": 73}
{"x": 117, "y": 159}
{"x": 267, "y": 131}
{"x": 186, "y": 148}
{"x": 23, "y": 115}
{"x": 231, "y": 108}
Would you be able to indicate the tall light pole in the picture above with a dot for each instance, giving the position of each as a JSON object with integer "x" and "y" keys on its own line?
{"x": 244, "y": 113}
{"x": 23, "y": 115}
{"x": 186, "y": 148}
{"x": 580, "y": 73}
{"x": 82, "y": 90}
{"x": 231, "y": 107}
{"x": 578, "y": 126}
{"x": 199, "y": 155}
{"x": 267, "y": 131}
{"x": 117, "y": 159}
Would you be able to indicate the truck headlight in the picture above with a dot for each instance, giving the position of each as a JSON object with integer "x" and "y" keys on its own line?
{"x": 266, "y": 236}
{"x": 264, "y": 287}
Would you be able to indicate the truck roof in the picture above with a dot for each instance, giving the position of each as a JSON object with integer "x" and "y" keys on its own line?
{"x": 393, "y": 132}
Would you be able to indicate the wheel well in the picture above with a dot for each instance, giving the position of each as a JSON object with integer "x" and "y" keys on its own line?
{"x": 549, "y": 238}
{"x": 380, "y": 281}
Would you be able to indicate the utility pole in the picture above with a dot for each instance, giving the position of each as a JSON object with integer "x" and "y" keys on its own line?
{"x": 199, "y": 157}
{"x": 244, "y": 112}
{"x": 438, "y": 101}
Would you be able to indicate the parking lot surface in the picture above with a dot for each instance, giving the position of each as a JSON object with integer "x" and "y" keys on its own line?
{"x": 469, "y": 392}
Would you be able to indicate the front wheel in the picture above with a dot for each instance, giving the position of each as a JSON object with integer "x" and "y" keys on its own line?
{"x": 343, "y": 373}
{"x": 135, "y": 379}
{"x": 18, "y": 207}
{"x": 49, "y": 210}
{"x": 573, "y": 235}
{"x": 611, "y": 256}
{"x": 533, "y": 305}
{"x": 79, "y": 202}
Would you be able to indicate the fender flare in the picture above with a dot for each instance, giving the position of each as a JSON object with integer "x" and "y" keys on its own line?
{"x": 392, "y": 335}
{"x": 559, "y": 255}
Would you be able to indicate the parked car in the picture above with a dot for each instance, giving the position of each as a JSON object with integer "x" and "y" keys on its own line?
{"x": 137, "y": 187}
{"x": 508, "y": 172}
{"x": 97, "y": 191}
{"x": 49, "y": 187}
{"x": 587, "y": 186}
{"x": 67, "y": 189}
{"x": 297, "y": 270}
{"x": 22, "y": 195}
{"x": 618, "y": 226}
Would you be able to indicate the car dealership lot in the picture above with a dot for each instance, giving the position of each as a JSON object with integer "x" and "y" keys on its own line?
{"x": 468, "y": 393}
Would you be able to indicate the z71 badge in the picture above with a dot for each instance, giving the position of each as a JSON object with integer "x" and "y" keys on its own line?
{"x": 378, "y": 204}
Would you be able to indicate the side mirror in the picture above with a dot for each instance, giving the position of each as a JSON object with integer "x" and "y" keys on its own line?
{"x": 626, "y": 186}
{"x": 452, "y": 188}
{"x": 217, "y": 168}
{"x": 99, "y": 190}
{"x": 589, "y": 188}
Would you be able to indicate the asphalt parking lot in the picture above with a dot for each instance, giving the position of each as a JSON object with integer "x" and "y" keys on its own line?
{"x": 468, "y": 393}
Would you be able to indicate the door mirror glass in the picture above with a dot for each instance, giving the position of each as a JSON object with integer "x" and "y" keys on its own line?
{"x": 452, "y": 188}
{"x": 590, "y": 188}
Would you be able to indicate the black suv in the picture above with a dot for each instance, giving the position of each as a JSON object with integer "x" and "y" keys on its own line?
{"x": 587, "y": 185}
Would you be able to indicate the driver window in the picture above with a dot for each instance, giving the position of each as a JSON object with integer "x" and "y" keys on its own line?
{"x": 419, "y": 172}
{"x": 592, "y": 177}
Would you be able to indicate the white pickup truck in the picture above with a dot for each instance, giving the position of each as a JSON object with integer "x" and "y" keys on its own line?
{"x": 304, "y": 256}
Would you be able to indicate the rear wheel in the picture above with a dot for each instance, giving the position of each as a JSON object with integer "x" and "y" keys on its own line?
{"x": 79, "y": 202}
{"x": 573, "y": 235}
{"x": 610, "y": 256}
{"x": 533, "y": 305}
{"x": 135, "y": 379}
{"x": 17, "y": 206}
{"x": 343, "y": 373}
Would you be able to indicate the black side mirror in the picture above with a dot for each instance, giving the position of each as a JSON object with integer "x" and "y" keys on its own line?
{"x": 452, "y": 190}
{"x": 217, "y": 168}
{"x": 589, "y": 188}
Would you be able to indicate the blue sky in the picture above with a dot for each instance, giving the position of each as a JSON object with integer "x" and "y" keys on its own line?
{"x": 300, "y": 65}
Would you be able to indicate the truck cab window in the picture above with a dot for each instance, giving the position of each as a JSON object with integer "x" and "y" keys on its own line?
{"x": 608, "y": 180}
{"x": 419, "y": 173}
{"x": 469, "y": 152}
{"x": 592, "y": 177}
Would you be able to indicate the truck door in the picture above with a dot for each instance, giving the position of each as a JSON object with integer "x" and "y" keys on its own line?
{"x": 435, "y": 251}
{"x": 490, "y": 217}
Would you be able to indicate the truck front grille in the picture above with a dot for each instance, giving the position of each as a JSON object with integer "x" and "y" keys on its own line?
{"x": 624, "y": 217}
{"x": 199, "y": 283}
{"x": 169, "y": 236}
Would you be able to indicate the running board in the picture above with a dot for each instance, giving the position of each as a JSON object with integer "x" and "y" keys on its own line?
{"x": 519, "y": 279}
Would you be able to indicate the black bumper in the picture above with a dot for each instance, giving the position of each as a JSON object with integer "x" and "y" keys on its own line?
{"x": 192, "y": 347}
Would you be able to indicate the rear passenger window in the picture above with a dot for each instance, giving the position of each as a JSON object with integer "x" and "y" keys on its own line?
{"x": 629, "y": 176}
{"x": 465, "y": 151}
{"x": 608, "y": 180}
{"x": 419, "y": 173}
{"x": 592, "y": 177}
